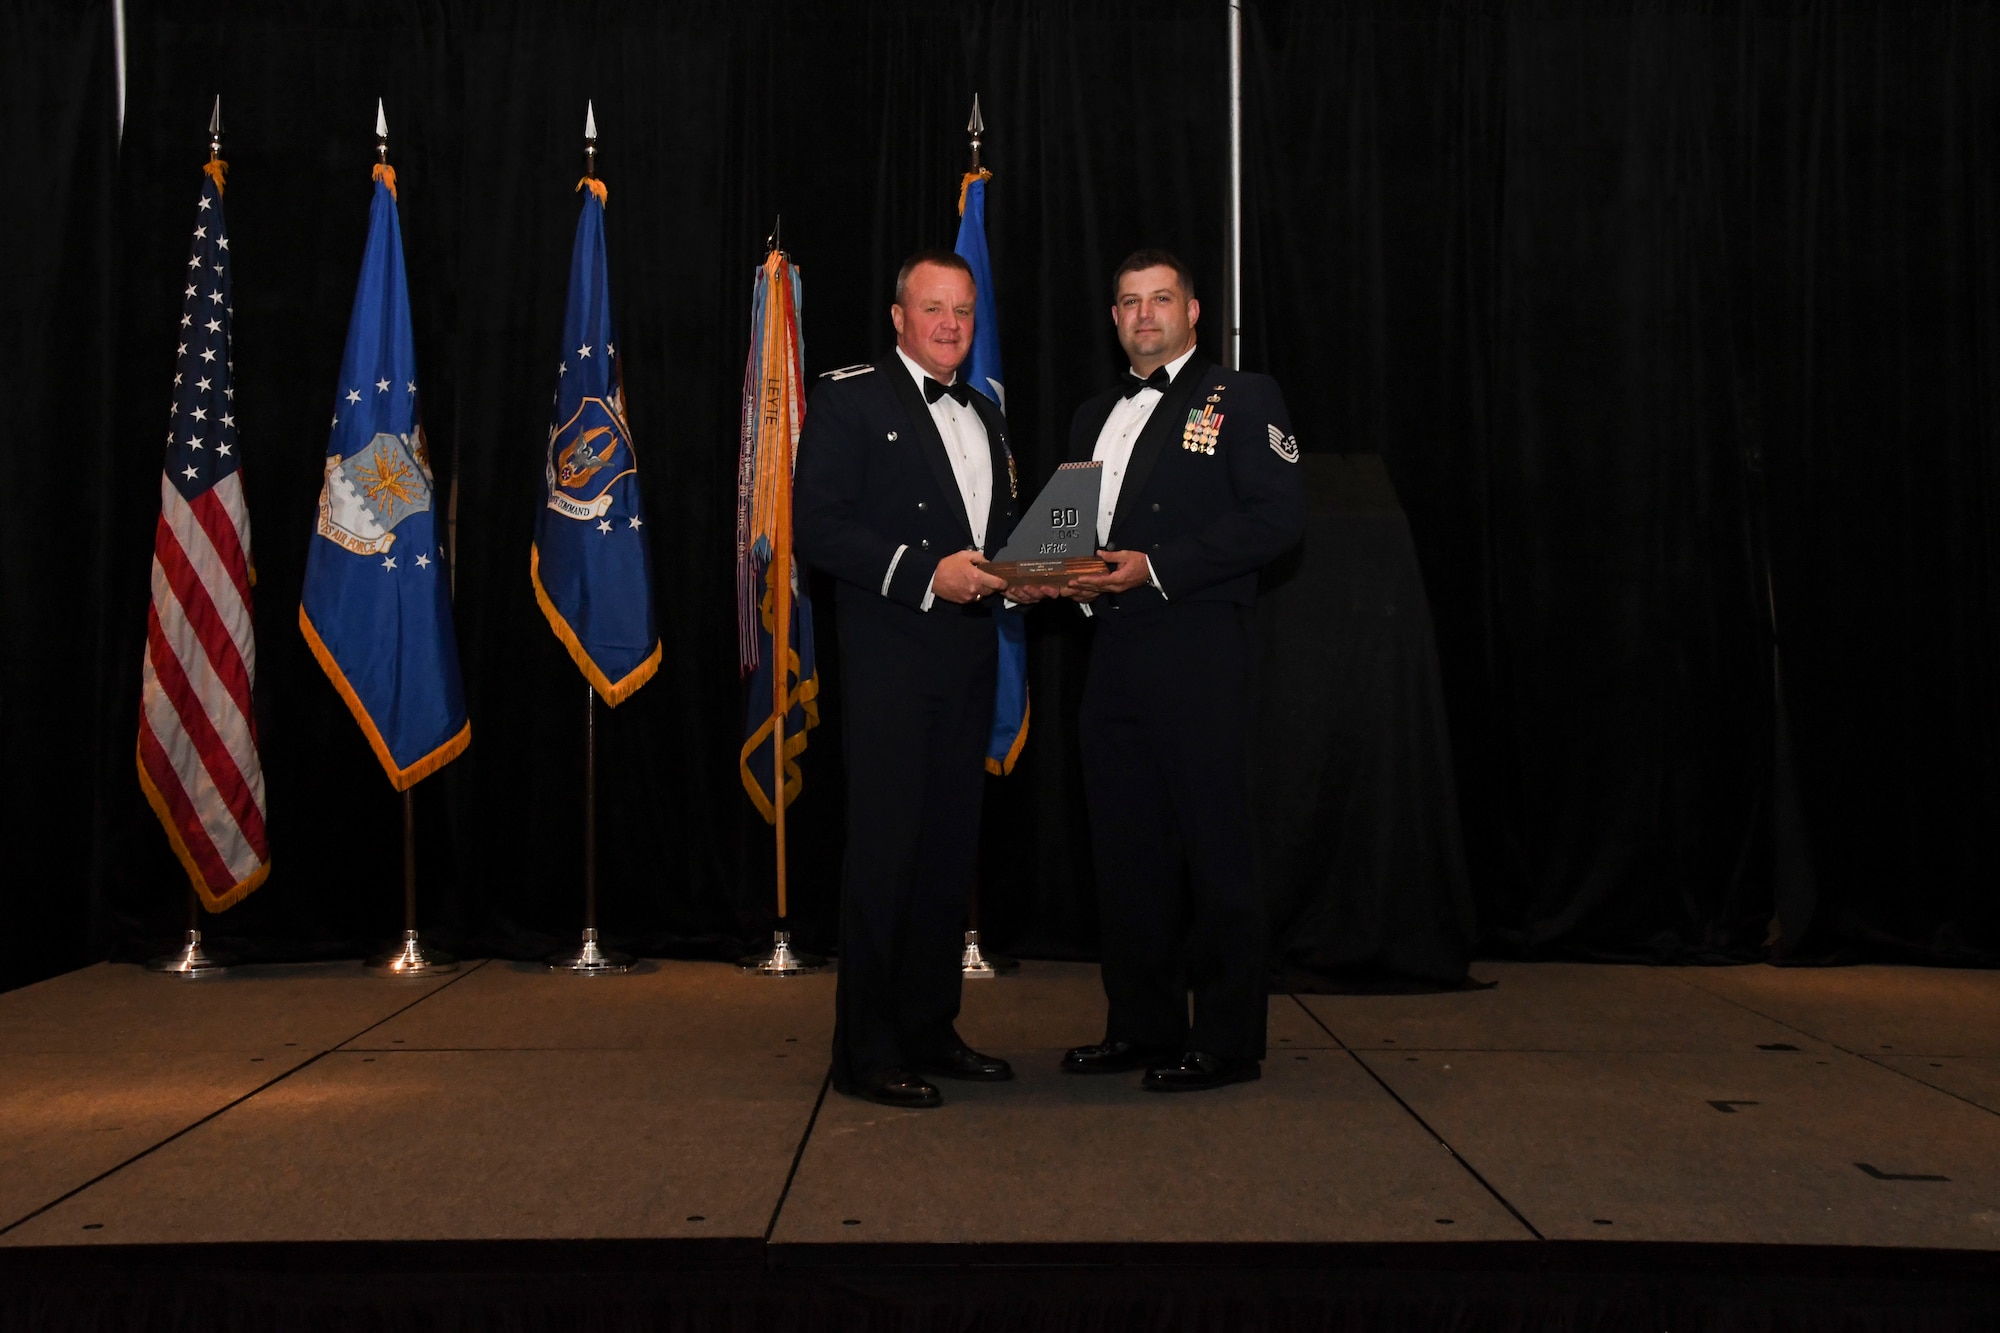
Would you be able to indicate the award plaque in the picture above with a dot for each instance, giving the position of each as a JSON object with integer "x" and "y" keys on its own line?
{"x": 1056, "y": 539}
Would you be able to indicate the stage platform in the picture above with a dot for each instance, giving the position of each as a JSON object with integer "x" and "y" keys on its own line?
{"x": 1579, "y": 1145}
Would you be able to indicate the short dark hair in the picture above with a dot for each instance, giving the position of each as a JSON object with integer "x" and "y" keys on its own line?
{"x": 1140, "y": 260}
{"x": 942, "y": 258}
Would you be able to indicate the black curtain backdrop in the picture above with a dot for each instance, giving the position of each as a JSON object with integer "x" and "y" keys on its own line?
{"x": 1616, "y": 290}
{"x": 57, "y": 541}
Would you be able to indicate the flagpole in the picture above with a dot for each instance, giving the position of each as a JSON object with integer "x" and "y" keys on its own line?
{"x": 781, "y": 648}
{"x": 410, "y": 958}
{"x": 191, "y": 962}
{"x": 1232, "y": 313}
{"x": 782, "y": 960}
{"x": 974, "y": 964}
{"x": 588, "y": 960}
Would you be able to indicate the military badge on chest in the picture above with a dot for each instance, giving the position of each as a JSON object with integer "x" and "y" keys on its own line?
{"x": 1203, "y": 425}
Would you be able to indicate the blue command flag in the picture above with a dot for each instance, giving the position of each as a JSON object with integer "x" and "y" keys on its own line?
{"x": 982, "y": 371}
{"x": 377, "y": 601}
{"x": 591, "y": 562}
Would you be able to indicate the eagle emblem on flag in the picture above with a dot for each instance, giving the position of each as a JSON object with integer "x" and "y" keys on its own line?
{"x": 588, "y": 453}
{"x": 368, "y": 492}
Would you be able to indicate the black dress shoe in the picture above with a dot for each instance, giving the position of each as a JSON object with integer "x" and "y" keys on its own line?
{"x": 966, "y": 1064}
{"x": 1112, "y": 1057}
{"x": 1197, "y": 1071}
{"x": 898, "y": 1087}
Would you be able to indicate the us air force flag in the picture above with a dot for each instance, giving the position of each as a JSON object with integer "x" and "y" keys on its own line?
{"x": 982, "y": 371}
{"x": 591, "y": 562}
{"x": 377, "y": 601}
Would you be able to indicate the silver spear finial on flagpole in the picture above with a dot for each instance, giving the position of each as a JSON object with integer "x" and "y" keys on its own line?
{"x": 381, "y": 132}
{"x": 976, "y": 127}
{"x": 215, "y": 128}
{"x": 589, "y": 138}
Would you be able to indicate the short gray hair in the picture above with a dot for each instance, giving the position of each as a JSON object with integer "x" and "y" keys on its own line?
{"x": 942, "y": 258}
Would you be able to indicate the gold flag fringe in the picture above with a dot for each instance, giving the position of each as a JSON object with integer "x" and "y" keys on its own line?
{"x": 980, "y": 175}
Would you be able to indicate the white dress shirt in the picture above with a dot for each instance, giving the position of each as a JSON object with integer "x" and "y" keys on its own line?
{"x": 1114, "y": 449}
{"x": 964, "y": 436}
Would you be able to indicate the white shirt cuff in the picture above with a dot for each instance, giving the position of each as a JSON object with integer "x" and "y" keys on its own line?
{"x": 930, "y": 594}
{"x": 1153, "y": 574}
{"x": 894, "y": 560}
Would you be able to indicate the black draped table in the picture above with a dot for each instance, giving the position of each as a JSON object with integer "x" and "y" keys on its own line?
{"x": 1358, "y": 834}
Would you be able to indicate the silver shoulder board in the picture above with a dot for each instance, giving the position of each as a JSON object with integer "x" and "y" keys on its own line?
{"x": 846, "y": 372}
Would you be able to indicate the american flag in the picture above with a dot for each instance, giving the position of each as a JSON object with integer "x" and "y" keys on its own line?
{"x": 197, "y": 736}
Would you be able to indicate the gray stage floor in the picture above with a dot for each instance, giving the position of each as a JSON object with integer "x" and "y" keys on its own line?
{"x": 1856, "y": 1106}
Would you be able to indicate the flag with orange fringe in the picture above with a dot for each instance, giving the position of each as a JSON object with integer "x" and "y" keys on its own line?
{"x": 376, "y": 607}
{"x": 774, "y": 637}
{"x": 591, "y": 561}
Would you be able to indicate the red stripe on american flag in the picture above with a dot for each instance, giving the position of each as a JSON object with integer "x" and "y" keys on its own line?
{"x": 203, "y": 619}
{"x": 193, "y": 834}
{"x": 220, "y": 525}
{"x": 214, "y": 755}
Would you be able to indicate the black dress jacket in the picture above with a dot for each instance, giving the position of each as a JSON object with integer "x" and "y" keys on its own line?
{"x": 1212, "y": 492}
{"x": 873, "y": 475}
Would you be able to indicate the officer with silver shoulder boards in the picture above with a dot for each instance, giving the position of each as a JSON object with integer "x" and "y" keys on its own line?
{"x": 903, "y": 481}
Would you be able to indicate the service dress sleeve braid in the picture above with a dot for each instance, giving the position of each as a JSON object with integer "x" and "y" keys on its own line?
{"x": 829, "y": 490}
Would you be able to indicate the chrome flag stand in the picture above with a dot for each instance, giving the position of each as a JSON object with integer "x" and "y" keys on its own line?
{"x": 588, "y": 959}
{"x": 192, "y": 962}
{"x": 410, "y": 958}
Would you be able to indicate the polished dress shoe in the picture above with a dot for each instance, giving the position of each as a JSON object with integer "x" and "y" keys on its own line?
{"x": 1112, "y": 1057}
{"x": 966, "y": 1064}
{"x": 1198, "y": 1071}
{"x": 898, "y": 1087}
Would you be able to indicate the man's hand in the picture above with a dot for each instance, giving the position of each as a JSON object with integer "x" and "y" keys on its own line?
{"x": 1027, "y": 594}
{"x": 957, "y": 579}
{"x": 1128, "y": 570}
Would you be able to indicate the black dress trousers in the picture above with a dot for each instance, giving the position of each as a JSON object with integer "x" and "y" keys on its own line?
{"x": 1166, "y": 718}
{"x": 918, "y": 708}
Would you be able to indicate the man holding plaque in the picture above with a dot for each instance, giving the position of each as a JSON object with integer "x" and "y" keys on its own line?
{"x": 904, "y": 481}
{"x": 1200, "y": 489}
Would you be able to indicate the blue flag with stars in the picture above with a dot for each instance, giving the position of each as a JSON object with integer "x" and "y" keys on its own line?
{"x": 377, "y": 601}
{"x": 591, "y": 563}
{"x": 982, "y": 371}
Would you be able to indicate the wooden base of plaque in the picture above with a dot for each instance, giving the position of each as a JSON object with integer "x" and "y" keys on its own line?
{"x": 1041, "y": 573}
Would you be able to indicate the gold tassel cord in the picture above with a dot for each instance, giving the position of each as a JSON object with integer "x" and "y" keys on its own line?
{"x": 597, "y": 187}
{"x": 387, "y": 175}
{"x": 980, "y": 175}
{"x": 215, "y": 166}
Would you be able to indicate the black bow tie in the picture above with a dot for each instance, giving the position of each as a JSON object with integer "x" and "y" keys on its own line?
{"x": 1159, "y": 379}
{"x": 957, "y": 390}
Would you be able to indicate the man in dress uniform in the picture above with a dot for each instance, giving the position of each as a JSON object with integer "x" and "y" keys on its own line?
{"x": 904, "y": 480}
{"x": 1200, "y": 490}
